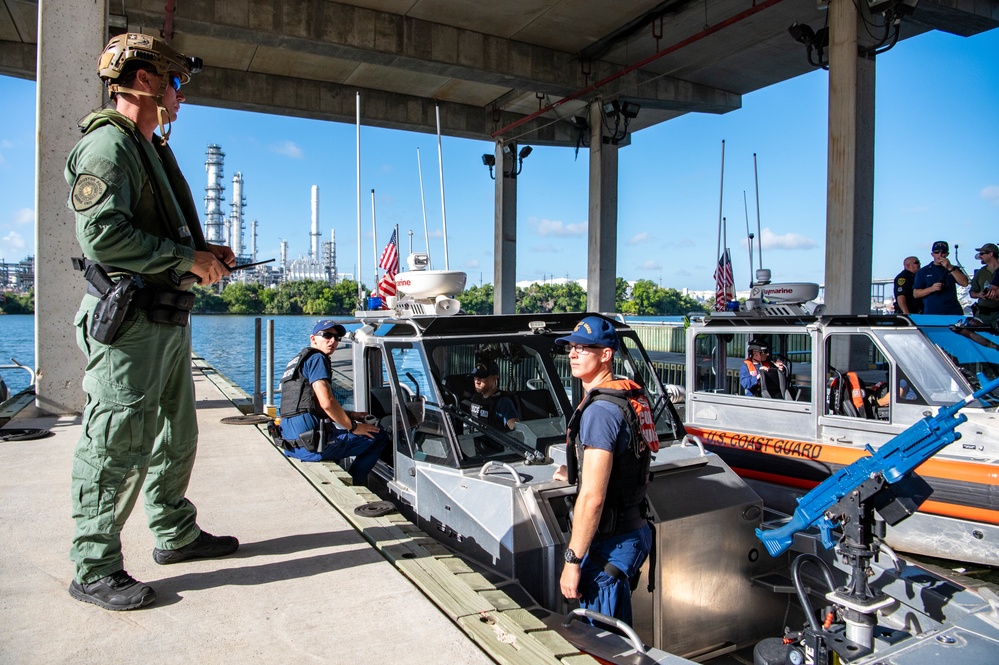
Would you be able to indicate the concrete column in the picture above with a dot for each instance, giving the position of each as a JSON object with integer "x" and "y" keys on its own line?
{"x": 601, "y": 273}
{"x": 850, "y": 197}
{"x": 505, "y": 253}
{"x": 71, "y": 34}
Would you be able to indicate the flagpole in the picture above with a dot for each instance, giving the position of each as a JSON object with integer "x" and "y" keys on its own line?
{"x": 374, "y": 236}
{"x": 423, "y": 203}
{"x": 759, "y": 233}
{"x": 440, "y": 165}
{"x": 749, "y": 234}
{"x": 360, "y": 291}
{"x": 721, "y": 192}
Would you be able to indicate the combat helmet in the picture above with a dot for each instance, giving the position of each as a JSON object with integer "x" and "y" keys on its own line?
{"x": 159, "y": 55}
{"x": 162, "y": 58}
{"x": 757, "y": 344}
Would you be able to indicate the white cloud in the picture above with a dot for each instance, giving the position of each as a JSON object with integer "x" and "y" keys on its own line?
{"x": 288, "y": 149}
{"x": 991, "y": 193}
{"x": 791, "y": 241}
{"x": 547, "y": 248}
{"x": 551, "y": 227}
{"x": 12, "y": 246}
{"x": 640, "y": 239}
{"x": 472, "y": 264}
{"x": 650, "y": 264}
{"x": 23, "y": 216}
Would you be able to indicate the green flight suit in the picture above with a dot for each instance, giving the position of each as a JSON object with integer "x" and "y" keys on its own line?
{"x": 134, "y": 211}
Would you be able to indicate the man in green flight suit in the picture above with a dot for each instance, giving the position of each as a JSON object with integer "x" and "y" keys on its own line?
{"x": 136, "y": 219}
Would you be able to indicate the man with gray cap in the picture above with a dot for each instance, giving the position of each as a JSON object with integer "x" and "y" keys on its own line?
{"x": 936, "y": 283}
{"x": 983, "y": 285}
{"x": 314, "y": 426}
{"x": 609, "y": 441}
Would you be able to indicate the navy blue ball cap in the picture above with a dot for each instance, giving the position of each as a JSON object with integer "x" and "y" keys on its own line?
{"x": 482, "y": 370}
{"x": 592, "y": 331}
{"x": 329, "y": 324}
{"x": 940, "y": 246}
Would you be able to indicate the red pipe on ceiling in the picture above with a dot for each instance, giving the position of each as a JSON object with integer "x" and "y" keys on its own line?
{"x": 167, "y": 32}
{"x": 630, "y": 68}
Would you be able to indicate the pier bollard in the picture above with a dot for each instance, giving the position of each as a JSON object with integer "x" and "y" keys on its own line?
{"x": 258, "y": 399}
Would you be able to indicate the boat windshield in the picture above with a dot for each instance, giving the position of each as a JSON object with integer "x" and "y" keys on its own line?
{"x": 967, "y": 351}
{"x": 972, "y": 350}
{"x": 521, "y": 416}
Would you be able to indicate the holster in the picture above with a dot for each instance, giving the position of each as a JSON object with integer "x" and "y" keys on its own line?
{"x": 115, "y": 299}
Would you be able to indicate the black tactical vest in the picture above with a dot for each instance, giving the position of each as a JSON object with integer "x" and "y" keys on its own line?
{"x": 296, "y": 393}
{"x": 625, "y": 506}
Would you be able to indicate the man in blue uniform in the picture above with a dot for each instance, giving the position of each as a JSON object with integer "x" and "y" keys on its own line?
{"x": 313, "y": 423}
{"x": 489, "y": 403}
{"x": 609, "y": 451}
{"x": 937, "y": 282}
{"x": 905, "y": 302}
{"x": 139, "y": 230}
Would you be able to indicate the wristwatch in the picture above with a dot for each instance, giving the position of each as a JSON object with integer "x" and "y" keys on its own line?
{"x": 952, "y": 269}
{"x": 570, "y": 556}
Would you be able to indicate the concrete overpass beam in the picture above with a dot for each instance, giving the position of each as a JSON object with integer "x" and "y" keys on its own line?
{"x": 71, "y": 35}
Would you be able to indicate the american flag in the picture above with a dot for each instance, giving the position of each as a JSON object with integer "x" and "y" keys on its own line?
{"x": 390, "y": 264}
{"x": 724, "y": 281}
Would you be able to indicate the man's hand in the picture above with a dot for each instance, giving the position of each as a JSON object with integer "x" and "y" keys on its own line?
{"x": 208, "y": 267}
{"x": 569, "y": 582}
{"x": 223, "y": 254}
{"x": 364, "y": 429}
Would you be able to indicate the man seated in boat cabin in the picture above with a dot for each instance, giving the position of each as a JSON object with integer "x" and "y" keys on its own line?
{"x": 761, "y": 377}
{"x": 314, "y": 426}
{"x": 489, "y": 403}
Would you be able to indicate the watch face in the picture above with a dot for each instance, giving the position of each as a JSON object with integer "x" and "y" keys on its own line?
{"x": 570, "y": 556}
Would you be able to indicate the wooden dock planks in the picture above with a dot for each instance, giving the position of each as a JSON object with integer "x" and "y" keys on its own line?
{"x": 507, "y": 632}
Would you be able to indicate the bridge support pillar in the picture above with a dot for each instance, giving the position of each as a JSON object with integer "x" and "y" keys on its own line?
{"x": 505, "y": 253}
{"x": 601, "y": 272}
{"x": 71, "y": 34}
{"x": 850, "y": 194}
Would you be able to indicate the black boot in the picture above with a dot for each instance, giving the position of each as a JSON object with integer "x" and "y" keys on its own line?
{"x": 117, "y": 591}
{"x": 205, "y": 546}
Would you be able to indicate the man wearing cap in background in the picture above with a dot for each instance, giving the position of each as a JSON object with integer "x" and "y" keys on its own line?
{"x": 937, "y": 282}
{"x": 761, "y": 377}
{"x": 314, "y": 425}
{"x": 489, "y": 403}
{"x": 608, "y": 451}
{"x": 983, "y": 285}
{"x": 905, "y": 302}
{"x": 139, "y": 230}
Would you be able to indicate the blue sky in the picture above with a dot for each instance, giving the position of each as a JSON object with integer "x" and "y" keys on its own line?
{"x": 936, "y": 177}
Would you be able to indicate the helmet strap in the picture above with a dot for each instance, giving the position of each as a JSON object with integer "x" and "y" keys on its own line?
{"x": 161, "y": 111}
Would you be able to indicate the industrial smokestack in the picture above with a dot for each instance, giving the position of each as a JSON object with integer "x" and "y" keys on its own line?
{"x": 284, "y": 257}
{"x": 253, "y": 241}
{"x": 236, "y": 220}
{"x": 315, "y": 223}
{"x": 214, "y": 195}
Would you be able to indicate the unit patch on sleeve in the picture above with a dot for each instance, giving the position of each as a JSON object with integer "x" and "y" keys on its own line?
{"x": 87, "y": 191}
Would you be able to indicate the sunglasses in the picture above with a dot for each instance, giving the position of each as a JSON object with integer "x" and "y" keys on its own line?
{"x": 326, "y": 334}
{"x": 174, "y": 82}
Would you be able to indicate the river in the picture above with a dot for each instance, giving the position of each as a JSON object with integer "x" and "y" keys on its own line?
{"x": 225, "y": 341}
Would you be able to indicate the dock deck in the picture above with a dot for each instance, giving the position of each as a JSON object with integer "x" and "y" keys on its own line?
{"x": 305, "y": 586}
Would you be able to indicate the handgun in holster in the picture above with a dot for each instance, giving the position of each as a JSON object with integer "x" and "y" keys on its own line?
{"x": 114, "y": 299}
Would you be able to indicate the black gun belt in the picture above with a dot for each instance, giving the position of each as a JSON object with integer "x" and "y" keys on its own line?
{"x": 165, "y": 306}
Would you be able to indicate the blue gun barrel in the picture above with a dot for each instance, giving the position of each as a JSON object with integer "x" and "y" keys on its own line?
{"x": 894, "y": 460}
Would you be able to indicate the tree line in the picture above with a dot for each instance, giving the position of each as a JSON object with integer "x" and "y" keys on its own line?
{"x": 314, "y": 298}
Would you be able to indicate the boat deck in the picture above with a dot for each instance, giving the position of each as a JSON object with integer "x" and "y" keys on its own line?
{"x": 305, "y": 586}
